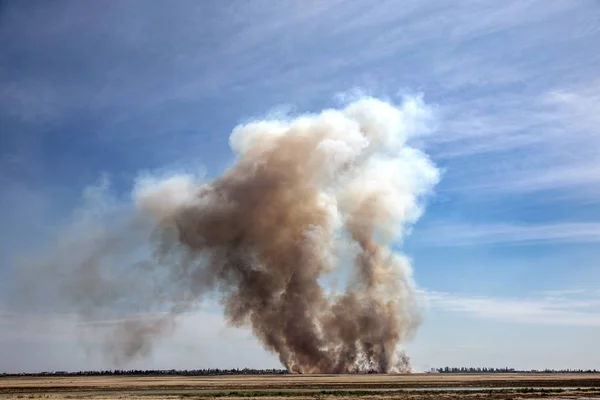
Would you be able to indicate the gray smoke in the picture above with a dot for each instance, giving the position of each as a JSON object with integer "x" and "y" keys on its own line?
{"x": 304, "y": 195}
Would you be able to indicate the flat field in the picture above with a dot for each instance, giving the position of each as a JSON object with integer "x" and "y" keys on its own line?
{"x": 413, "y": 386}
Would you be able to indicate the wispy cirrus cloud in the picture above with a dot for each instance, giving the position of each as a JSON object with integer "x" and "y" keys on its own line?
{"x": 464, "y": 234}
{"x": 323, "y": 45}
{"x": 572, "y": 308}
{"x": 545, "y": 143}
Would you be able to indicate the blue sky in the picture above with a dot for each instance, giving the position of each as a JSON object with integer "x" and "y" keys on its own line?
{"x": 506, "y": 255}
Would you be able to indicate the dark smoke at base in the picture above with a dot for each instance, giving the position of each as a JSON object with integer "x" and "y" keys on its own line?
{"x": 303, "y": 195}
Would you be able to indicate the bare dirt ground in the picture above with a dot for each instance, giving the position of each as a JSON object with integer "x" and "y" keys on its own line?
{"x": 414, "y": 387}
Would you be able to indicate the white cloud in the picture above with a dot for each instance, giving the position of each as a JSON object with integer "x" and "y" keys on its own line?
{"x": 270, "y": 46}
{"x": 456, "y": 234}
{"x": 562, "y": 292}
{"x": 559, "y": 308}
{"x": 547, "y": 142}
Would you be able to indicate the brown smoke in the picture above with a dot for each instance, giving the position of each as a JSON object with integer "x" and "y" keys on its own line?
{"x": 302, "y": 195}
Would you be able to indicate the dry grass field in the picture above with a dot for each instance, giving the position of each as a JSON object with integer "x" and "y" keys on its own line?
{"x": 415, "y": 387}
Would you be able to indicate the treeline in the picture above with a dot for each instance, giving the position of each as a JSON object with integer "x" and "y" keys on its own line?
{"x": 480, "y": 370}
{"x": 154, "y": 372}
{"x": 273, "y": 371}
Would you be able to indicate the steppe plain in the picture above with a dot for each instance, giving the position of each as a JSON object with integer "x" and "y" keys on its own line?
{"x": 300, "y": 387}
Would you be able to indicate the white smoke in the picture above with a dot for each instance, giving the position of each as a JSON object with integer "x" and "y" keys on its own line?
{"x": 342, "y": 179}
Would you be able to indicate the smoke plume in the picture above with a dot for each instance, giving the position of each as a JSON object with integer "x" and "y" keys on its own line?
{"x": 306, "y": 198}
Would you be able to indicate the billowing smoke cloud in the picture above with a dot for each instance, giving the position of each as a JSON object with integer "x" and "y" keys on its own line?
{"x": 306, "y": 197}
